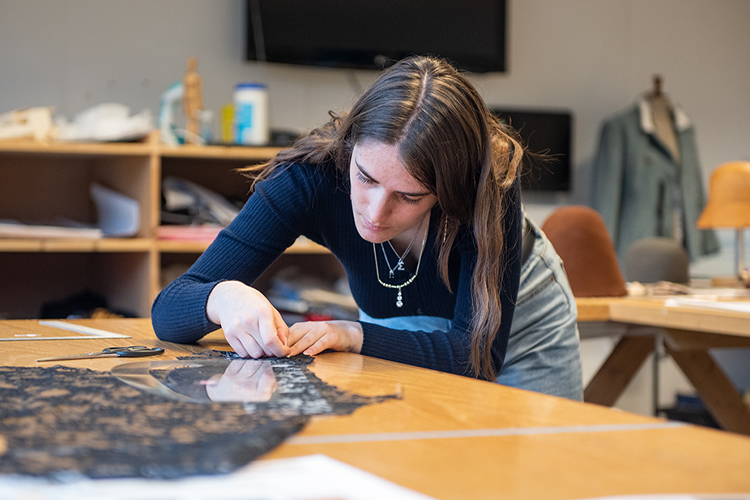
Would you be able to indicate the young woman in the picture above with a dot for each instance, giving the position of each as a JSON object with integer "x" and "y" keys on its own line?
{"x": 415, "y": 191}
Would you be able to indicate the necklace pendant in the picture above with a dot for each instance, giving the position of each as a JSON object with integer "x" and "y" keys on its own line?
{"x": 390, "y": 273}
{"x": 400, "y": 265}
{"x": 399, "y": 302}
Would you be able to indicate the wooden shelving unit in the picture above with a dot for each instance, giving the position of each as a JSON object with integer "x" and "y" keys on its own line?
{"x": 46, "y": 181}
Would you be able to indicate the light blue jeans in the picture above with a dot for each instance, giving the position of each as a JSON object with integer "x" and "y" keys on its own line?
{"x": 543, "y": 349}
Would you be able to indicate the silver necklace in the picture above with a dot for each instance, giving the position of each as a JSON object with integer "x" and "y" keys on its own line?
{"x": 399, "y": 297}
{"x": 400, "y": 264}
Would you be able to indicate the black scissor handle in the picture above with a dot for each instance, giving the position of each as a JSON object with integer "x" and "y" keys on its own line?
{"x": 133, "y": 351}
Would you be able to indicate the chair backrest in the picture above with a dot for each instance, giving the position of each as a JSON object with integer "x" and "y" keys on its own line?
{"x": 657, "y": 259}
{"x": 580, "y": 238}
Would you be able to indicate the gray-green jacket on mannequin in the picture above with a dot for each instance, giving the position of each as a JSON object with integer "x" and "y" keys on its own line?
{"x": 647, "y": 179}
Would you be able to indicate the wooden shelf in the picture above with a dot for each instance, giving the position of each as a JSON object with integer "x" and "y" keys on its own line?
{"x": 77, "y": 245}
{"x": 42, "y": 181}
{"x": 75, "y": 148}
{"x": 218, "y": 152}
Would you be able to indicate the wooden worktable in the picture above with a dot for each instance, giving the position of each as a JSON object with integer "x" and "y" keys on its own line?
{"x": 687, "y": 334}
{"x": 453, "y": 437}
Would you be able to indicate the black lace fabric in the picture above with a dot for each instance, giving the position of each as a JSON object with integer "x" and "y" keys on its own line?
{"x": 60, "y": 420}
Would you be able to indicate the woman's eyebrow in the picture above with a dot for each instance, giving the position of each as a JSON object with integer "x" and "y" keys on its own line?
{"x": 364, "y": 172}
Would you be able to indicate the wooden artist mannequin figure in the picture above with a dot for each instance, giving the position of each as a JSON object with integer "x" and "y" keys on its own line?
{"x": 416, "y": 191}
{"x": 192, "y": 101}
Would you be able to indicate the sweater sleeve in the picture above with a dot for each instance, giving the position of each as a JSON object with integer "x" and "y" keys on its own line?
{"x": 450, "y": 351}
{"x": 268, "y": 224}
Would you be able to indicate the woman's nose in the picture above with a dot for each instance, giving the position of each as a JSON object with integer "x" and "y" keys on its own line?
{"x": 378, "y": 208}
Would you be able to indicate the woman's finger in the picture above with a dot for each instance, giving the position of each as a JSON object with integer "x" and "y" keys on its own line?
{"x": 254, "y": 350}
{"x": 269, "y": 336}
{"x": 281, "y": 327}
{"x": 303, "y": 335}
{"x": 296, "y": 332}
{"x": 236, "y": 344}
{"x": 322, "y": 343}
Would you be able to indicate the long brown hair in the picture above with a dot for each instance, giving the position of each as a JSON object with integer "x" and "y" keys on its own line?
{"x": 452, "y": 144}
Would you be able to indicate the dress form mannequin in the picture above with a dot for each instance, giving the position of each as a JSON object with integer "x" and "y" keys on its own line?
{"x": 661, "y": 110}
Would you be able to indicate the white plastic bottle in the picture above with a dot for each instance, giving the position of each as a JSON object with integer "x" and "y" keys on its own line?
{"x": 251, "y": 114}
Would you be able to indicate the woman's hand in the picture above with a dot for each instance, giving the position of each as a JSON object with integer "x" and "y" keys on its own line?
{"x": 252, "y": 326}
{"x": 313, "y": 337}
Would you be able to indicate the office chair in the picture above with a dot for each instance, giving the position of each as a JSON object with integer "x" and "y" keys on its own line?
{"x": 650, "y": 260}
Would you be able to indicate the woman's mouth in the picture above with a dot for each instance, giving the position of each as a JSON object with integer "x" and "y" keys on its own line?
{"x": 373, "y": 227}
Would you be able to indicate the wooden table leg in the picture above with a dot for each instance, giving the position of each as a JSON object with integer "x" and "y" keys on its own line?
{"x": 717, "y": 392}
{"x": 619, "y": 369}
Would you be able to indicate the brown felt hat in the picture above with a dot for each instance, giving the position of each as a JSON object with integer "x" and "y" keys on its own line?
{"x": 728, "y": 197}
{"x": 580, "y": 238}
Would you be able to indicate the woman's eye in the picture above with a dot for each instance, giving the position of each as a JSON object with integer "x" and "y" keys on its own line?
{"x": 366, "y": 180}
{"x": 363, "y": 179}
{"x": 411, "y": 201}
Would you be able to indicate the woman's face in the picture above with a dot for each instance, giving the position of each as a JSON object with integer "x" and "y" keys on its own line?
{"x": 386, "y": 200}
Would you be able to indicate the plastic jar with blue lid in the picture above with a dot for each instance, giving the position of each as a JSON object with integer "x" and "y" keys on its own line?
{"x": 251, "y": 114}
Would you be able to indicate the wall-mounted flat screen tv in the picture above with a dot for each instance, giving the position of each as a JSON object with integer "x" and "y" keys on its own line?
{"x": 372, "y": 34}
{"x": 543, "y": 132}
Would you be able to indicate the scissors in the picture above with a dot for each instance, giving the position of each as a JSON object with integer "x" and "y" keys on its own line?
{"x": 130, "y": 351}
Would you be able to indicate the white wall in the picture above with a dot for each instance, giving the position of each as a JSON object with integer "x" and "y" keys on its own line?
{"x": 592, "y": 57}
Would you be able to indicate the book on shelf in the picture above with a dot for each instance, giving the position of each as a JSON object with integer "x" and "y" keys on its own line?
{"x": 206, "y": 233}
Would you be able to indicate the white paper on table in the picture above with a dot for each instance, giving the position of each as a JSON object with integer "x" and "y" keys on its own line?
{"x": 719, "y": 293}
{"x": 723, "y": 305}
{"x": 311, "y": 477}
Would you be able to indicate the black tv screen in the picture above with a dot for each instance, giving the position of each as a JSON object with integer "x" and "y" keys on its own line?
{"x": 543, "y": 132}
{"x": 373, "y": 34}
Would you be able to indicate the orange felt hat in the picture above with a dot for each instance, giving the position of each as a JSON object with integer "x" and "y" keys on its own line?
{"x": 580, "y": 238}
{"x": 728, "y": 197}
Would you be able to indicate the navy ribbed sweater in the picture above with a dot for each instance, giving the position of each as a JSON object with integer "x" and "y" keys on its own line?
{"x": 313, "y": 200}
